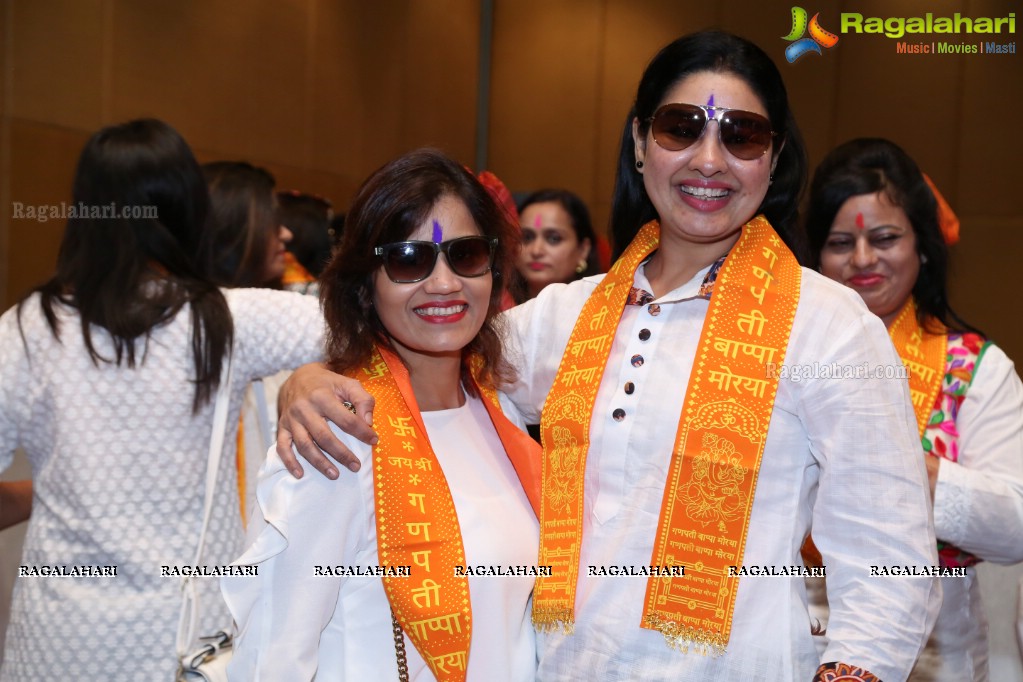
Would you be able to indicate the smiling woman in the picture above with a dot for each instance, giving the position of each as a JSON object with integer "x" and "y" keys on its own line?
{"x": 410, "y": 301}
{"x": 877, "y": 226}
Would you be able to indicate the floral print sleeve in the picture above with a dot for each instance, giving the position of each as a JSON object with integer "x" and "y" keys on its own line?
{"x": 843, "y": 672}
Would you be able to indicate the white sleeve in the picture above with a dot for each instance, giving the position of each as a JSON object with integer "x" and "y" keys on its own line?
{"x": 536, "y": 335}
{"x": 15, "y": 395}
{"x": 274, "y": 330}
{"x": 873, "y": 502}
{"x": 281, "y": 612}
{"x": 978, "y": 501}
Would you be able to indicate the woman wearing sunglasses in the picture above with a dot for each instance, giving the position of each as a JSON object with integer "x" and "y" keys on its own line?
{"x": 410, "y": 301}
{"x": 875, "y": 225}
{"x": 687, "y": 420}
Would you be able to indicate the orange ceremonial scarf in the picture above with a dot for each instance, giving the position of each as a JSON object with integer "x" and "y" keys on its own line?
{"x": 923, "y": 354}
{"x": 416, "y": 521}
{"x": 716, "y": 456}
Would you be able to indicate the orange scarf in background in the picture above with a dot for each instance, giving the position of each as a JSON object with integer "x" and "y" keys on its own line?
{"x": 417, "y": 525}
{"x": 720, "y": 439}
{"x": 923, "y": 354}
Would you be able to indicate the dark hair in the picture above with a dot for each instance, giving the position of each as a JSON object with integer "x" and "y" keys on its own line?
{"x": 719, "y": 52}
{"x": 308, "y": 217}
{"x": 578, "y": 215}
{"x": 871, "y": 165}
{"x": 131, "y": 274}
{"x": 242, "y": 221}
{"x": 389, "y": 206}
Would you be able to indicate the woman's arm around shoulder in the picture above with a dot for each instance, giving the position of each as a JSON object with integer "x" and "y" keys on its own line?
{"x": 274, "y": 330}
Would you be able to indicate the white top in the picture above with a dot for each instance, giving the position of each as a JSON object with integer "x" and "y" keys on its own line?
{"x": 978, "y": 501}
{"x": 978, "y": 507}
{"x": 118, "y": 468}
{"x": 295, "y": 625}
{"x": 850, "y": 443}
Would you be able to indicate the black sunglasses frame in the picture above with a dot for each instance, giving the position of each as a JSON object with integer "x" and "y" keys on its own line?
{"x": 436, "y": 249}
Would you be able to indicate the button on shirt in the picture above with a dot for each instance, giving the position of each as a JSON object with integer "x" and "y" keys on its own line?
{"x": 844, "y": 454}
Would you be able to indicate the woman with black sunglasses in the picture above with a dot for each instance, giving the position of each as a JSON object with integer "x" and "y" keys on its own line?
{"x": 365, "y": 575}
{"x": 702, "y": 405}
{"x": 876, "y": 225}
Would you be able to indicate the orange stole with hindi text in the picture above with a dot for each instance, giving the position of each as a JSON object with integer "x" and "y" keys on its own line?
{"x": 923, "y": 353}
{"x": 417, "y": 525}
{"x": 720, "y": 438}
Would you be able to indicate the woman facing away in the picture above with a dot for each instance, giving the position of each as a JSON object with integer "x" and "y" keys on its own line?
{"x": 245, "y": 246}
{"x": 410, "y": 299}
{"x": 680, "y": 426}
{"x": 874, "y": 225}
{"x": 246, "y": 241}
{"x": 558, "y": 241}
{"x": 107, "y": 377}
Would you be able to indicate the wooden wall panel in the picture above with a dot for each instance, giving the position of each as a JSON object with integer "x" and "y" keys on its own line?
{"x": 229, "y": 78}
{"x": 44, "y": 159}
{"x": 57, "y": 49}
{"x": 546, "y": 79}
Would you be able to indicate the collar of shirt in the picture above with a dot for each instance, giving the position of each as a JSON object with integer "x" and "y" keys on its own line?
{"x": 700, "y": 286}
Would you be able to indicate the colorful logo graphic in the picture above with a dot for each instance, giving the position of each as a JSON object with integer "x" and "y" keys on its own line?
{"x": 818, "y": 36}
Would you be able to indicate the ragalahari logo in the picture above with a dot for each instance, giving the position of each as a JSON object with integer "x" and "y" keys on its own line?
{"x": 818, "y": 36}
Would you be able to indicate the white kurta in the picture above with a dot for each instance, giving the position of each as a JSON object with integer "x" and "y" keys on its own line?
{"x": 850, "y": 443}
{"x": 118, "y": 467}
{"x": 295, "y": 625}
{"x": 978, "y": 507}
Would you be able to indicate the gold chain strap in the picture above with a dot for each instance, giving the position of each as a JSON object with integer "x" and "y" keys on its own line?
{"x": 399, "y": 649}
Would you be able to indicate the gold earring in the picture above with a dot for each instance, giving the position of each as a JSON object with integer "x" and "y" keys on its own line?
{"x": 581, "y": 267}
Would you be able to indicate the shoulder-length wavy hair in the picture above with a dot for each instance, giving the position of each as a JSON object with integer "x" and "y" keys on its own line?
{"x": 720, "y": 52}
{"x": 869, "y": 166}
{"x": 133, "y": 271}
{"x": 389, "y": 206}
{"x": 243, "y": 219}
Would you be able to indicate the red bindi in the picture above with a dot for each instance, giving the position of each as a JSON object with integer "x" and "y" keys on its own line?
{"x": 859, "y": 220}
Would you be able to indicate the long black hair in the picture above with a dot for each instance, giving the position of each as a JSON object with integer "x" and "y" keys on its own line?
{"x": 869, "y": 166}
{"x": 132, "y": 268}
{"x": 719, "y": 52}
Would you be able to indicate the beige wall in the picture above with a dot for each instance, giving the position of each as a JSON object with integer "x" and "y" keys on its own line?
{"x": 324, "y": 91}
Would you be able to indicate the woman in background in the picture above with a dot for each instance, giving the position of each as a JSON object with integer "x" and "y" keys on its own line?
{"x": 874, "y": 225}
{"x": 107, "y": 377}
{"x": 245, "y": 245}
{"x": 558, "y": 241}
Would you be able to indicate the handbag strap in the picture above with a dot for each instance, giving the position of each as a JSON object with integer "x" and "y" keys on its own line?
{"x": 399, "y": 649}
{"x": 265, "y": 428}
{"x": 189, "y": 619}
